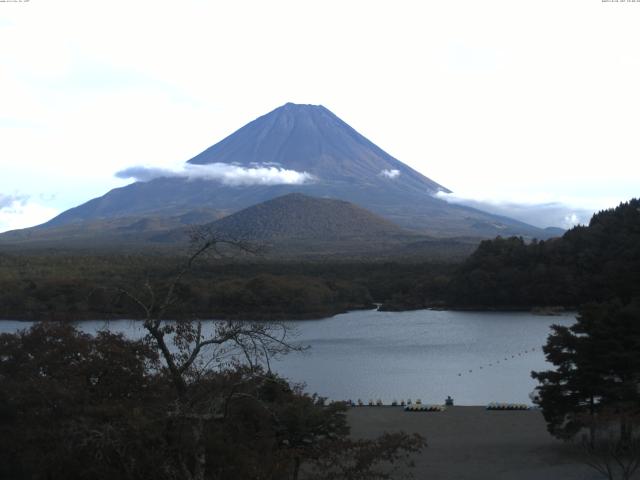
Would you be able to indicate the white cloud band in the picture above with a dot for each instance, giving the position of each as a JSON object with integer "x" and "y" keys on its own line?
{"x": 227, "y": 174}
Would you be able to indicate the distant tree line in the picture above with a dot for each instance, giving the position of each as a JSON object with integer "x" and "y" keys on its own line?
{"x": 51, "y": 286}
{"x": 588, "y": 263}
{"x": 597, "y": 262}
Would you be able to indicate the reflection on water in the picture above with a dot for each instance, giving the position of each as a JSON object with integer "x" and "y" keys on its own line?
{"x": 476, "y": 357}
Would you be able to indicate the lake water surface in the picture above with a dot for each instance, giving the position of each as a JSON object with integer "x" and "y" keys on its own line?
{"x": 476, "y": 357}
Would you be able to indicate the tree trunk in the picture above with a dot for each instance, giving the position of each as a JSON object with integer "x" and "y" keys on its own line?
{"x": 200, "y": 453}
{"x": 625, "y": 433}
{"x": 296, "y": 468}
{"x": 592, "y": 426}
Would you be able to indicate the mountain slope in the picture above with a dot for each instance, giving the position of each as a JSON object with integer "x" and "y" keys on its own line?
{"x": 309, "y": 138}
{"x": 112, "y": 232}
{"x": 341, "y": 163}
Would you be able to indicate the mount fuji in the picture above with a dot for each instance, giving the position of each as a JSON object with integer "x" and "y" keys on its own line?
{"x": 293, "y": 149}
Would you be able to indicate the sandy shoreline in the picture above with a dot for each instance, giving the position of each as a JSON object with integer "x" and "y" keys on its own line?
{"x": 474, "y": 443}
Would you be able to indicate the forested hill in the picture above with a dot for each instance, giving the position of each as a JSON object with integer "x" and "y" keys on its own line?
{"x": 588, "y": 263}
{"x": 299, "y": 216}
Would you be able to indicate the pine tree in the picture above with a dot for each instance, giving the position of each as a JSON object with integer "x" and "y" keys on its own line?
{"x": 597, "y": 373}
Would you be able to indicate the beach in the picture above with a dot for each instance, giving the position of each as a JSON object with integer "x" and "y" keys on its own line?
{"x": 475, "y": 443}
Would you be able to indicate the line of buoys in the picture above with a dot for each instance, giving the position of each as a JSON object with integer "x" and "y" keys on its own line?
{"x": 519, "y": 354}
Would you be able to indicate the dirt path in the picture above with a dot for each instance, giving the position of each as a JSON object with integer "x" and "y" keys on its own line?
{"x": 474, "y": 443}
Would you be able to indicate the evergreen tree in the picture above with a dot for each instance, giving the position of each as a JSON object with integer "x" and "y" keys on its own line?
{"x": 597, "y": 373}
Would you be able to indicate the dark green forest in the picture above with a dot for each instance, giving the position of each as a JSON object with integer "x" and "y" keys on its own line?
{"x": 588, "y": 263}
{"x": 55, "y": 286}
{"x": 597, "y": 262}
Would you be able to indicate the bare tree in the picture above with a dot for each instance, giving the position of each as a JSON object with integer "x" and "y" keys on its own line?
{"x": 188, "y": 350}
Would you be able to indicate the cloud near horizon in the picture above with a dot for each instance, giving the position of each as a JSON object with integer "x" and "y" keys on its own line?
{"x": 542, "y": 215}
{"x": 18, "y": 211}
{"x": 9, "y": 201}
{"x": 234, "y": 175}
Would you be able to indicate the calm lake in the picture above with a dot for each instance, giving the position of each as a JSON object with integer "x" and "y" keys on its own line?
{"x": 476, "y": 357}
